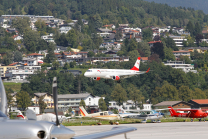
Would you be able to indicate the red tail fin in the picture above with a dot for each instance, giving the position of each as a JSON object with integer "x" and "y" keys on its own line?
{"x": 172, "y": 111}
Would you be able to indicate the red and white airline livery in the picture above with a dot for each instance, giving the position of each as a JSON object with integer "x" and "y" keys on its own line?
{"x": 115, "y": 74}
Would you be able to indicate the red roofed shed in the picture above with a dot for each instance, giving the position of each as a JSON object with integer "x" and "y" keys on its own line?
{"x": 199, "y": 103}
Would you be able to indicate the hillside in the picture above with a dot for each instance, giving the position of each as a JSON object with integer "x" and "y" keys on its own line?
{"x": 196, "y": 4}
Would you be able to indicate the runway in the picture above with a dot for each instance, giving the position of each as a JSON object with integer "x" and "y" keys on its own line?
{"x": 179, "y": 130}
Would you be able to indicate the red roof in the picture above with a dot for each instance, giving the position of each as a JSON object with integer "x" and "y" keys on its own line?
{"x": 200, "y": 101}
{"x": 144, "y": 58}
{"x": 69, "y": 53}
{"x": 13, "y": 64}
{"x": 57, "y": 53}
{"x": 155, "y": 42}
{"x": 34, "y": 54}
{"x": 14, "y": 36}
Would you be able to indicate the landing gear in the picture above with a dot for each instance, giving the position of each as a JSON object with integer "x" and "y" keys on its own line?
{"x": 144, "y": 121}
{"x": 192, "y": 120}
{"x": 200, "y": 120}
{"x": 153, "y": 121}
{"x": 204, "y": 120}
{"x": 158, "y": 121}
{"x": 111, "y": 122}
{"x": 117, "y": 123}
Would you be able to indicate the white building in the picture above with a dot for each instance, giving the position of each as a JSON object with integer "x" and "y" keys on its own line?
{"x": 128, "y": 105}
{"x": 48, "y": 38}
{"x": 177, "y": 54}
{"x": 17, "y": 37}
{"x": 178, "y": 40}
{"x": 36, "y": 56}
{"x": 73, "y": 100}
{"x": 18, "y": 74}
{"x": 181, "y": 65}
{"x": 5, "y": 26}
{"x": 36, "y": 109}
{"x": 64, "y": 29}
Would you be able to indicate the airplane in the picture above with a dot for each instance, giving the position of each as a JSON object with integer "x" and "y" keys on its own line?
{"x": 32, "y": 129}
{"x": 115, "y": 74}
{"x": 104, "y": 115}
{"x": 193, "y": 113}
{"x": 145, "y": 115}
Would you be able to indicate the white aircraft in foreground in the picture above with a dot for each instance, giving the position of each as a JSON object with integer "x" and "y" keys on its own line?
{"x": 115, "y": 74}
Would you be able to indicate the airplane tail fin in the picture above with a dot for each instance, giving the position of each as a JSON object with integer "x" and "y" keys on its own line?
{"x": 136, "y": 65}
{"x": 83, "y": 111}
{"x": 20, "y": 115}
{"x": 172, "y": 111}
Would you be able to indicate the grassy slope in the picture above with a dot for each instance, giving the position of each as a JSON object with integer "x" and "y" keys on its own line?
{"x": 15, "y": 86}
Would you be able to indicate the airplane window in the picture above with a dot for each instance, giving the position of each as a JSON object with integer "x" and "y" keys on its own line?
{"x": 109, "y": 113}
{"x": 105, "y": 113}
{"x": 2, "y": 114}
{"x": 89, "y": 70}
{"x": 101, "y": 113}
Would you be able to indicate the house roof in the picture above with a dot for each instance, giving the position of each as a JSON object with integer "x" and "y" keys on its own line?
{"x": 69, "y": 53}
{"x": 144, "y": 58}
{"x": 57, "y": 53}
{"x": 200, "y": 101}
{"x": 167, "y": 103}
{"x": 154, "y": 42}
{"x": 181, "y": 51}
{"x": 14, "y": 36}
{"x": 34, "y": 54}
{"x": 13, "y": 64}
{"x": 41, "y": 94}
{"x": 82, "y": 95}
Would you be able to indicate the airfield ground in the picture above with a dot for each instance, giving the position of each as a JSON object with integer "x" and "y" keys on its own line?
{"x": 172, "y": 130}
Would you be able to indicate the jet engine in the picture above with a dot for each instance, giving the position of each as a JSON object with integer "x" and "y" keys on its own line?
{"x": 116, "y": 78}
{"x": 96, "y": 78}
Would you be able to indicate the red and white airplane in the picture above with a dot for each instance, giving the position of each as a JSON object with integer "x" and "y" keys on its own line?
{"x": 115, "y": 74}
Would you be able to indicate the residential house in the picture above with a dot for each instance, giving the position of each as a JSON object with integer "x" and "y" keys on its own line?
{"x": 60, "y": 49}
{"x": 85, "y": 22}
{"x": 83, "y": 54}
{"x": 178, "y": 40}
{"x": 31, "y": 61}
{"x": 47, "y": 98}
{"x": 110, "y": 38}
{"x": 48, "y": 38}
{"x": 64, "y": 29}
{"x": 18, "y": 74}
{"x": 198, "y": 49}
{"x": 151, "y": 43}
{"x": 174, "y": 104}
{"x": 144, "y": 59}
{"x": 199, "y": 103}
{"x": 5, "y": 26}
{"x": 177, "y": 54}
{"x": 58, "y": 55}
{"x": 3, "y": 70}
{"x": 181, "y": 65}
{"x": 11, "y": 30}
{"x": 36, "y": 56}
{"x": 104, "y": 32}
{"x": 17, "y": 37}
{"x": 110, "y": 26}
{"x": 70, "y": 55}
{"x": 73, "y": 100}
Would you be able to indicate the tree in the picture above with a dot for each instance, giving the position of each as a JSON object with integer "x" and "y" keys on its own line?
{"x": 8, "y": 58}
{"x": 66, "y": 66}
{"x": 82, "y": 103}
{"x": 50, "y": 57}
{"x": 145, "y": 48}
{"x": 10, "y": 101}
{"x": 185, "y": 93}
{"x": 72, "y": 64}
{"x": 147, "y": 34}
{"x": 21, "y": 24}
{"x": 197, "y": 29}
{"x": 102, "y": 104}
{"x": 42, "y": 104}
{"x": 90, "y": 54}
{"x": 135, "y": 95}
{"x": 31, "y": 39}
{"x": 198, "y": 38}
{"x": 157, "y": 38}
{"x": 23, "y": 100}
{"x": 55, "y": 65}
{"x": 71, "y": 37}
{"x": 17, "y": 56}
{"x": 198, "y": 94}
{"x": 190, "y": 28}
{"x": 170, "y": 43}
{"x": 119, "y": 94}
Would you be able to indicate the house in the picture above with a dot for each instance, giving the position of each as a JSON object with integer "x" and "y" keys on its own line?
{"x": 59, "y": 49}
{"x": 174, "y": 104}
{"x": 178, "y": 40}
{"x": 181, "y": 65}
{"x": 47, "y": 98}
{"x": 128, "y": 105}
{"x": 144, "y": 59}
{"x": 110, "y": 26}
{"x": 30, "y": 61}
{"x": 36, "y": 56}
{"x": 11, "y": 30}
{"x": 151, "y": 43}
{"x": 64, "y": 29}
{"x": 73, "y": 100}
{"x": 3, "y": 70}
{"x": 5, "y": 26}
{"x": 177, "y": 54}
{"x": 18, "y": 74}
{"x": 110, "y": 38}
{"x": 199, "y": 103}
{"x": 17, "y": 37}
{"x": 198, "y": 49}
{"x": 70, "y": 55}
{"x": 83, "y": 54}
{"x": 104, "y": 32}
{"x": 48, "y": 38}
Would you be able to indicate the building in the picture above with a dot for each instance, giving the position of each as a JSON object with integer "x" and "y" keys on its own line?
{"x": 36, "y": 56}
{"x": 73, "y": 100}
{"x": 3, "y": 70}
{"x": 48, "y": 38}
{"x": 198, "y": 49}
{"x": 47, "y": 98}
{"x": 128, "y": 105}
{"x": 199, "y": 103}
{"x": 36, "y": 109}
{"x": 174, "y": 104}
{"x": 64, "y": 29}
{"x": 18, "y": 74}
{"x": 181, "y": 65}
{"x": 177, "y": 54}
{"x": 178, "y": 40}
{"x": 151, "y": 44}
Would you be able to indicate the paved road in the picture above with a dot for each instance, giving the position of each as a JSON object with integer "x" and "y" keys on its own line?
{"x": 179, "y": 130}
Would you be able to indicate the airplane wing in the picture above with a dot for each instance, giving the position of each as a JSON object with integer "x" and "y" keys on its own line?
{"x": 187, "y": 109}
{"x": 114, "y": 131}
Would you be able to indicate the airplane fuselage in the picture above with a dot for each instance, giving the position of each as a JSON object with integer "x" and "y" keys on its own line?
{"x": 110, "y": 73}
{"x": 192, "y": 114}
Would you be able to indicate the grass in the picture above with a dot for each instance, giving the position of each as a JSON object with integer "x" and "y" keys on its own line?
{"x": 85, "y": 122}
{"x": 14, "y": 86}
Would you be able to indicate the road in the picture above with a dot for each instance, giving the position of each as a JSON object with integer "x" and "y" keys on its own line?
{"x": 179, "y": 130}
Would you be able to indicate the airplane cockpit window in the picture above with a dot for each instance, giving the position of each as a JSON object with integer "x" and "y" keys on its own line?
{"x": 89, "y": 71}
{"x": 2, "y": 114}
{"x": 105, "y": 113}
{"x": 109, "y": 113}
{"x": 101, "y": 113}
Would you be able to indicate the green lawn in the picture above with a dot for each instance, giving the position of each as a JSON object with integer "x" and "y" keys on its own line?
{"x": 14, "y": 86}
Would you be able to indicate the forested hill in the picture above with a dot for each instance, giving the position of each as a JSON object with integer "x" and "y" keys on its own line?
{"x": 136, "y": 12}
{"x": 196, "y": 4}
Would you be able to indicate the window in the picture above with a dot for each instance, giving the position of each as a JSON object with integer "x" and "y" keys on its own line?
{"x": 101, "y": 113}
{"x": 105, "y": 113}
{"x": 89, "y": 99}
